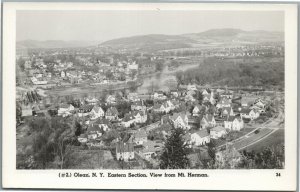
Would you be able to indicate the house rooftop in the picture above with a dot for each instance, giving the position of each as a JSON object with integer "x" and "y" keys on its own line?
{"x": 218, "y": 129}
{"x": 202, "y": 133}
{"x": 124, "y": 147}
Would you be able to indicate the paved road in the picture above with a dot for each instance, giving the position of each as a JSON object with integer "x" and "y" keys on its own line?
{"x": 273, "y": 123}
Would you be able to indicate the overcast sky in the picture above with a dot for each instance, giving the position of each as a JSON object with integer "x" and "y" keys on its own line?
{"x": 106, "y": 25}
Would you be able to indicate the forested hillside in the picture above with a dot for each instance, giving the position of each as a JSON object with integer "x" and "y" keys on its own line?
{"x": 232, "y": 72}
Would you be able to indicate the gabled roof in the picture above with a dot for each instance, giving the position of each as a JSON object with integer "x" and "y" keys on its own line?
{"x": 112, "y": 111}
{"x": 93, "y": 128}
{"x": 200, "y": 107}
{"x": 205, "y": 92}
{"x": 124, "y": 147}
{"x": 228, "y": 109}
{"x": 110, "y": 97}
{"x": 206, "y": 97}
{"x": 176, "y": 115}
{"x": 138, "y": 112}
{"x": 202, "y": 133}
{"x": 97, "y": 108}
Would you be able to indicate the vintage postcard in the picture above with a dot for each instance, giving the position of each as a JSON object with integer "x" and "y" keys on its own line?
{"x": 150, "y": 96}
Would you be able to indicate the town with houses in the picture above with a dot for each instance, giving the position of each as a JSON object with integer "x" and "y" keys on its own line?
{"x": 110, "y": 123}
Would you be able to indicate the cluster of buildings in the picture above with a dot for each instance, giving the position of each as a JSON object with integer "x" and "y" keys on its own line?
{"x": 219, "y": 114}
{"x": 84, "y": 69}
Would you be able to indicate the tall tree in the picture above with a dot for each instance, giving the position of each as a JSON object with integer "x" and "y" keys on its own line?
{"x": 212, "y": 150}
{"x": 174, "y": 154}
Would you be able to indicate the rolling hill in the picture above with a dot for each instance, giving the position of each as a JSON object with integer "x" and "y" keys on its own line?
{"x": 150, "y": 42}
{"x": 158, "y": 42}
{"x": 211, "y": 37}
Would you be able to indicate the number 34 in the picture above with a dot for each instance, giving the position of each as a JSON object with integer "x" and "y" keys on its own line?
{"x": 278, "y": 175}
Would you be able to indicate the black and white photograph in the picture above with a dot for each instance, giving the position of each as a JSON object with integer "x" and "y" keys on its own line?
{"x": 150, "y": 90}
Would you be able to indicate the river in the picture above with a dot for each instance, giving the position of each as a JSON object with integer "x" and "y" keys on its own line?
{"x": 163, "y": 80}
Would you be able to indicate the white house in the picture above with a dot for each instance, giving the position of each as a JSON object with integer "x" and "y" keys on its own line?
{"x": 159, "y": 96}
{"x": 227, "y": 94}
{"x": 248, "y": 113}
{"x": 133, "y": 66}
{"x": 180, "y": 120}
{"x": 111, "y": 99}
{"x": 165, "y": 107}
{"x": 260, "y": 103}
{"x": 65, "y": 109}
{"x": 227, "y": 111}
{"x": 83, "y": 138}
{"x": 207, "y": 121}
{"x": 97, "y": 112}
{"x": 247, "y": 101}
{"x": 91, "y": 100}
{"x": 140, "y": 137}
{"x": 62, "y": 74}
{"x": 128, "y": 120}
{"x": 103, "y": 124}
{"x": 94, "y": 132}
{"x": 200, "y": 137}
{"x": 224, "y": 102}
{"x": 139, "y": 106}
{"x": 209, "y": 98}
{"x": 133, "y": 97}
{"x": 111, "y": 113}
{"x": 217, "y": 132}
{"x": 234, "y": 123}
{"x": 134, "y": 117}
{"x": 140, "y": 116}
{"x": 189, "y": 97}
{"x": 197, "y": 110}
{"x": 150, "y": 149}
{"x": 85, "y": 110}
{"x": 124, "y": 151}
{"x": 191, "y": 87}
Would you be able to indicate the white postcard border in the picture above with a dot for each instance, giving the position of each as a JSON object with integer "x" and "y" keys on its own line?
{"x": 217, "y": 180}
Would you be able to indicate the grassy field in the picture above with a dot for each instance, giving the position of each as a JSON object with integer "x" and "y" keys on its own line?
{"x": 275, "y": 138}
